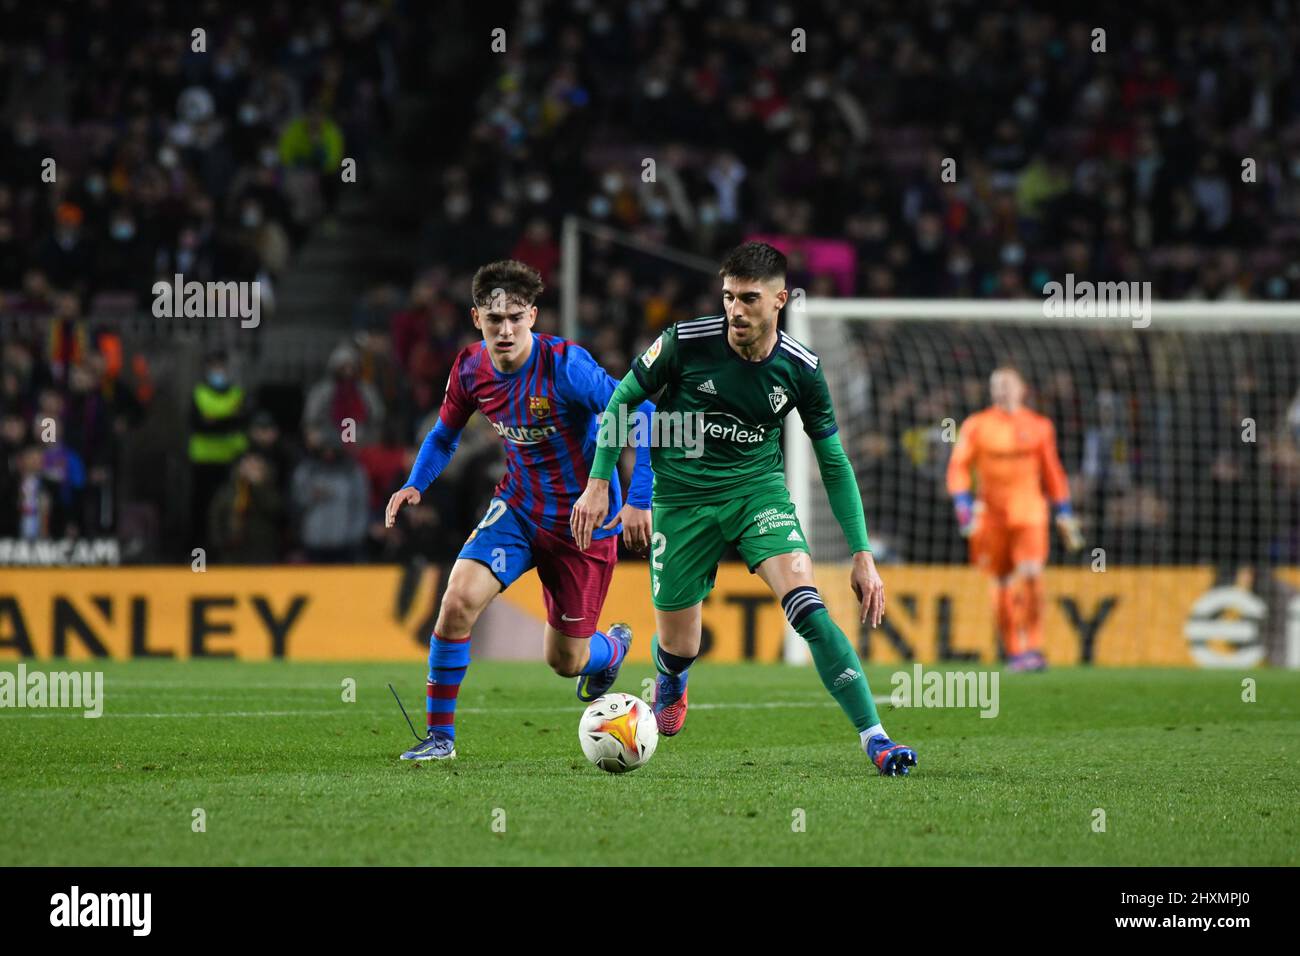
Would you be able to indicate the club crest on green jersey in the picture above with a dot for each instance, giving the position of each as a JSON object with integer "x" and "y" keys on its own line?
{"x": 778, "y": 397}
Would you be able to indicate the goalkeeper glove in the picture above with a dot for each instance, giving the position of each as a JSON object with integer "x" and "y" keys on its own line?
{"x": 964, "y": 504}
{"x": 1068, "y": 526}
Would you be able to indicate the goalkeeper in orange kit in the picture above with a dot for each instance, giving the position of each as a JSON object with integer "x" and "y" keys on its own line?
{"x": 1011, "y": 453}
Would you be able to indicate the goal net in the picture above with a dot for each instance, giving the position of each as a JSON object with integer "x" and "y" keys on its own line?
{"x": 1180, "y": 437}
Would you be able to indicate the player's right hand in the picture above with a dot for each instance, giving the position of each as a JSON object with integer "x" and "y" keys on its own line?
{"x": 402, "y": 496}
{"x": 589, "y": 511}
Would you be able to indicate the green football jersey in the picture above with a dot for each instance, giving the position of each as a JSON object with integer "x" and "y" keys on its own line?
{"x": 728, "y": 410}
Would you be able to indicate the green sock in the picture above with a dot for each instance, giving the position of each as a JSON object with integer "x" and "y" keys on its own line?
{"x": 836, "y": 661}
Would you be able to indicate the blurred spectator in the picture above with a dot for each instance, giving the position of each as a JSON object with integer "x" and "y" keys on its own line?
{"x": 343, "y": 398}
{"x": 386, "y": 464}
{"x": 274, "y": 448}
{"x": 246, "y": 517}
{"x": 311, "y": 149}
{"x": 330, "y": 499}
{"x": 66, "y": 256}
{"x": 538, "y": 249}
{"x": 218, "y": 420}
{"x": 30, "y": 514}
{"x": 221, "y": 165}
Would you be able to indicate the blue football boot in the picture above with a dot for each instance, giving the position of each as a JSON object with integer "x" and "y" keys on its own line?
{"x": 591, "y": 686}
{"x": 436, "y": 746}
{"x": 891, "y": 759}
{"x": 670, "y": 703}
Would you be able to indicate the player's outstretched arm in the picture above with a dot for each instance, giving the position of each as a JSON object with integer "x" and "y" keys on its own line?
{"x": 590, "y": 386}
{"x": 435, "y": 452}
{"x": 590, "y": 510}
{"x": 959, "y": 479}
{"x": 635, "y": 514}
{"x": 846, "y": 504}
{"x": 1058, "y": 492}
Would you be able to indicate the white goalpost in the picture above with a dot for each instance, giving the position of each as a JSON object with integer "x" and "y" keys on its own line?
{"x": 1179, "y": 427}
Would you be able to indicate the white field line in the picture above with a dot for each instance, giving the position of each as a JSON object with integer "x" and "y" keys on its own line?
{"x": 341, "y": 710}
{"x": 188, "y": 685}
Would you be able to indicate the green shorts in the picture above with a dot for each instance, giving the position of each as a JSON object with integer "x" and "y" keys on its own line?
{"x": 689, "y": 541}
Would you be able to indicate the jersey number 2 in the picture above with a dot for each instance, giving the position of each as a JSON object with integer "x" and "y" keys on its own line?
{"x": 658, "y": 544}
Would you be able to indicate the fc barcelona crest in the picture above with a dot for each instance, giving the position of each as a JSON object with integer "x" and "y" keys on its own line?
{"x": 539, "y": 406}
{"x": 778, "y": 397}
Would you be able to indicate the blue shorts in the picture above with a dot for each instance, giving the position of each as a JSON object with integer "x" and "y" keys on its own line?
{"x": 502, "y": 541}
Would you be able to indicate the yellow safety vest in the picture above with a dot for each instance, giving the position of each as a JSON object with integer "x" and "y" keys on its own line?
{"x": 217, "y": 448}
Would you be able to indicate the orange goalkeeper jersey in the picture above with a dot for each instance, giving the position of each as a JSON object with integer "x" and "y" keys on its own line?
{"x": 1013, "y": 458}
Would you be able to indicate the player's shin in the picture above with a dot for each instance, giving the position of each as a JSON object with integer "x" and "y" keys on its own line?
{"x": 1006, "y": 601}
{"x": 833, "y": 655}
{"x": 448, "y": 661}
{"x": 1033, "y": 613}
{"x": 605, "y": 652}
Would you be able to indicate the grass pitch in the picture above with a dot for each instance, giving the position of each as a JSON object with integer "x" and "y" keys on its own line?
{"x": 288, "y": 773}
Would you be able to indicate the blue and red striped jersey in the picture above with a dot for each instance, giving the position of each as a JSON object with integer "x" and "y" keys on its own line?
{"x": 547, "y": 414}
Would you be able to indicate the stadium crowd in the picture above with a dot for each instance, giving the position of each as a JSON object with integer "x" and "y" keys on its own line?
{"x": 213, "y": 153}
{"x": 825, "y": 127}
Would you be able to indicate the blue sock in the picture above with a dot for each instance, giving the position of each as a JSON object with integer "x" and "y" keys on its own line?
{"x": 448, "y": 661}
{"x": 605, "y": 653}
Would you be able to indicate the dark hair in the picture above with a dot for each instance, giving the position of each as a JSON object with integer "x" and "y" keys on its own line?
{"x": 514, "y": 279}
{"x": 754, "y": 260}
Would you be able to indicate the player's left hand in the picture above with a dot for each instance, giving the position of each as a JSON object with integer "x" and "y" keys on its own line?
{"x": 1071, "y": 533}
{"x": 868, "y": 587}
{"x": 636, "y": 527}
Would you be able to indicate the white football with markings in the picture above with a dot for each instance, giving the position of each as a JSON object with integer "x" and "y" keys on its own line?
{"x": 618, "y": 732}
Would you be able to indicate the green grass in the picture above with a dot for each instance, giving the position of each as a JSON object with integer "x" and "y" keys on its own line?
{"x": 287, "y": 773}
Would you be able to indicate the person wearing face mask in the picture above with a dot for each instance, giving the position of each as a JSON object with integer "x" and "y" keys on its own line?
{"x": 344, "y": 395}
{"x": 124, "y": 262}
{"x": 217, "y": 439}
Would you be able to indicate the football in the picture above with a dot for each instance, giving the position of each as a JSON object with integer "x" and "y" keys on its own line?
{"x": 618, "y": 732}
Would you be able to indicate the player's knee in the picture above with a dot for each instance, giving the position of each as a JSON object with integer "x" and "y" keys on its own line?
{"x": 457, "y": 613}
{"x": 1029, "y": 569}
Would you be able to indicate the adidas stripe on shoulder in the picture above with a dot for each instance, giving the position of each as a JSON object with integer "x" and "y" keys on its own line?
{"x": 798, "y": 351}
{"x": 698, "y": 328}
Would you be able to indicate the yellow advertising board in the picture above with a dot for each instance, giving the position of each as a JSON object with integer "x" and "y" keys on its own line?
{"x": 251, "y": 613}
{"x": 1122, "y": 617}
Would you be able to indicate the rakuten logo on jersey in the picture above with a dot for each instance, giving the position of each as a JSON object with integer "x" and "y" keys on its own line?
{"x": 522, "y": 435}
{"x": 734, "y": 430}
